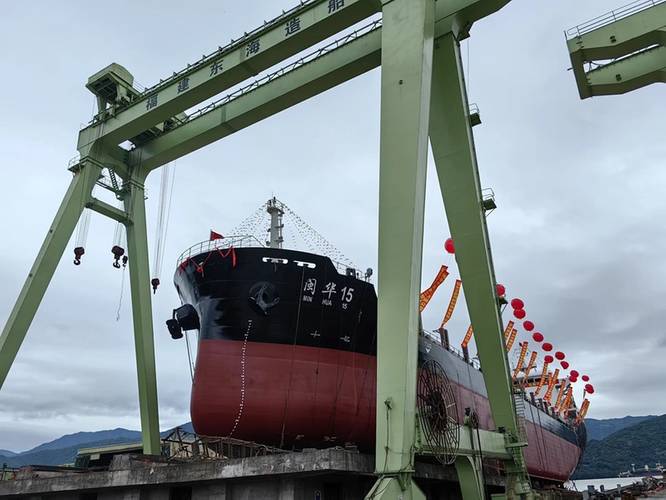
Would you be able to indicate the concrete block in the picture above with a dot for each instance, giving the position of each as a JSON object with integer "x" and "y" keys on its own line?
{"x": 287, "y": 489}
{"x": 120, "y": 494}
{"x": 155, "y": 494}
{"x": 217, "y": 491}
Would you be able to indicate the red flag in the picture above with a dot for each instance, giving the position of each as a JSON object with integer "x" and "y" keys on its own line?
{"x": 215, "y": 236}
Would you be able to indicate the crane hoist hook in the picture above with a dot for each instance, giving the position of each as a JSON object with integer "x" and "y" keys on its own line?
{"x": 117, "y": 252}
{"x": 78, "y": 253}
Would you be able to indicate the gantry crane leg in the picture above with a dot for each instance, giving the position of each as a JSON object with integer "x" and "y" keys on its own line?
{"x": 470, "y": 478}
{"x": 455, "y": 158}
{"x": 77, "y": 196}
{"x": 407, "y": 38}
{"x": 142, "y": 312}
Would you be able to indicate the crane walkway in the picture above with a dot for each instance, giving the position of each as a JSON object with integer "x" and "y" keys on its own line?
{"x": 620, "y": 51}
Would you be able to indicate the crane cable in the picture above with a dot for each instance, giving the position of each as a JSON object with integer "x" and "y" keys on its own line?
{"x": 82, "y": 229}
{"x": 163, "y": 215}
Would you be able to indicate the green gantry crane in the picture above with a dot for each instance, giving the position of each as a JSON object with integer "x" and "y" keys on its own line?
{"x": 423, "y": 98}
{"x": 621, "y": 51}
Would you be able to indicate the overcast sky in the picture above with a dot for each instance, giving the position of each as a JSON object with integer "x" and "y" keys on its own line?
{"x": 578, "y": 233}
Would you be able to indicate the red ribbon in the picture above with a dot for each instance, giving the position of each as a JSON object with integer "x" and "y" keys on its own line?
{"x": 230, "y": 251}
{"x": 199, "y": 268}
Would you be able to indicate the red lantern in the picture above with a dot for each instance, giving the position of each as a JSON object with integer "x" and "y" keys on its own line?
{"x": 573, "y": 380}
{"x": 548, "y": 359}
{"x": 574, "y": 373}
{"x": 586, "y": 378}
{"x": 517, "y": 304}
{"x": 519, "y": 313}
{"x": 589, "y": 388}
{"x": 538, "y": 337}
{"x": 560, "y": 355}
{"x": 501, "y": 290}
{"x": 449, "y": 246}
{"x": 547, "y": 346}
{"x": 564, "y": 364}
{"x": 528, "y": 326}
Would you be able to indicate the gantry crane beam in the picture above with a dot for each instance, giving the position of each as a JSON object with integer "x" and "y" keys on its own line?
{"x": 308, "y": 24}
{"x": 626, "y": 75}
{"x": 625, "y": 47}
{"x": 351, "y": 59}
{"x": 238, "y": 61}
{"x": 356, "y": 54}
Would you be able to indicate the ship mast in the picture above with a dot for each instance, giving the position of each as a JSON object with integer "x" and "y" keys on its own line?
{"x": 274, "y": 208}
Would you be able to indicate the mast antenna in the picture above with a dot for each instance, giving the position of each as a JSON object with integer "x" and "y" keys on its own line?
{"x": 275, "y": 210}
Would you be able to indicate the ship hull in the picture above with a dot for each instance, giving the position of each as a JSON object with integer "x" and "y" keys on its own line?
{"x": 328, "y": 397}
{"x": 280, "y": 369}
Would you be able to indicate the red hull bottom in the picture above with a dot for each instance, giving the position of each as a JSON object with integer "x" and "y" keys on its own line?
{"x": 280, "y": 394}
{"x": 295, "y": 395}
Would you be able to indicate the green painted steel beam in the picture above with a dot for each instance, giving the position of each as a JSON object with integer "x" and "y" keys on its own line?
{"x": 458, "y": 16}
{"x": 455, "y": 159}
{"x": 621, "y": 37}
{"x": 349, "y": 60}
{"x": 491, "y": 444}
{"x": 627, "y": 38}
{"x": 470, "y": 478}
{"x": 109, "y": 211}
{"x": 407, "y": 39}
{"x": 311, "y": 23}
{"x": 45, "y": 264}
{"x": 337, "y": 66}
{"x": 142, "y": 313}
{"x": 628, "y": 74}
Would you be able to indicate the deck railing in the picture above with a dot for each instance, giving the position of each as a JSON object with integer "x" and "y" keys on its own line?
{"x": 611, "y": 17}
{"x": 245, "y": 241}
{"x": 242, "y": 241}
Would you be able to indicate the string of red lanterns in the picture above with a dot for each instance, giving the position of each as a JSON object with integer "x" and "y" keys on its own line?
{"x": 518, "y": 306}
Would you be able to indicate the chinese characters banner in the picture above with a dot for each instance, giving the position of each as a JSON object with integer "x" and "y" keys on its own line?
{"x": 583, "y": 410}
{"x": 426, "y": 295}
{"x": 452, "y": 303}
{"x": 551, "y": 385}
{"x": 521, "y": 359}
{"x": 468, "y": 337}
{"x": 542, "y": 380}
{"x": 531, "y": 365}
{"x": 512, "y": 339}
{"x": 564, "y": 387}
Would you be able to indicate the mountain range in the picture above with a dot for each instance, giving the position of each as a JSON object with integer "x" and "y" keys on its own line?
{"x": 599, "y": 429}
{"x": 613, "y": 445}
{"x": 638, "y": 443}
{"x": 64, "y": 449}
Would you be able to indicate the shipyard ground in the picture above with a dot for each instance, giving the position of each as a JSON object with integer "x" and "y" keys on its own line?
{"x": 332, "y": 474}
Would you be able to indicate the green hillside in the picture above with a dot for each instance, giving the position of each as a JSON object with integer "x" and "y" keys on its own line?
{"x": 600, "y": 428}
{"x": 640, "y": 444}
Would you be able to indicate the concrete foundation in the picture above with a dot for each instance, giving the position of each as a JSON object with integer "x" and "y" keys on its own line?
{"x": 333, "y": 474}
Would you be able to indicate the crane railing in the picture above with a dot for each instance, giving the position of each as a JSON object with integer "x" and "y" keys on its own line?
{"x": 611, "y": 17}
{"x": 302, "y": 61}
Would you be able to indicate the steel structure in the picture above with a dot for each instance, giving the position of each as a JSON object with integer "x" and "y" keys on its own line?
{"x": 621, "y": 51}
{"x": 422, "y": 97}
